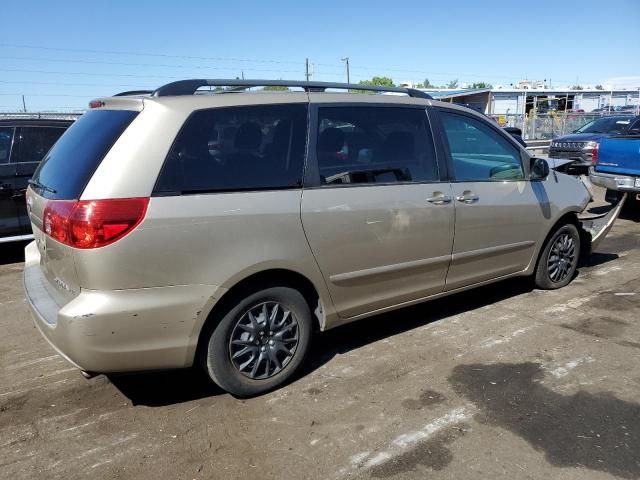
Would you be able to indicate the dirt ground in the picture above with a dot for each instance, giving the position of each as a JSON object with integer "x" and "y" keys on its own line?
{"x": 501, "y": 382}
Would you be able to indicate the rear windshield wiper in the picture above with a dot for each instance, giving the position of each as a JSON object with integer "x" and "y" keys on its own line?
{"x": 42, "y": 187}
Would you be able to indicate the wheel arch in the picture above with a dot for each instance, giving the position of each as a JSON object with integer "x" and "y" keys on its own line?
{"x": 257, "y": 281}
{"x": 571, "y": 217}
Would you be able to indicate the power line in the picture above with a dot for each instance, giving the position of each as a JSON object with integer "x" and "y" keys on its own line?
{"x": 381, "y": 69}
{"x": 89, "y": 74}
{"x": 249, "y": 60}
{"x": 44, "y": 95}
{"x": 127, "y": 64}
{"x": 147, "y": 54}
{"x": 72, "y": 84}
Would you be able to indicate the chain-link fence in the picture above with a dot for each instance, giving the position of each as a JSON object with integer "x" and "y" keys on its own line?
{"x": 534, "y": 127}
{"x": 38, "y": 116}
{"x": 547, "y": 126}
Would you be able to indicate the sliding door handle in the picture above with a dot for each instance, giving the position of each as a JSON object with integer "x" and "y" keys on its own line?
{"x": 439, "y": 199}
{"x": 468, "y": 197}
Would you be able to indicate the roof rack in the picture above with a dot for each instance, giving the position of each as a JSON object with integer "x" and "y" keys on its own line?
{"x": 133, "y": 92}
{"x": 189, "y": 87}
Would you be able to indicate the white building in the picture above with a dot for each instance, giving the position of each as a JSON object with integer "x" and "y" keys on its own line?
{"x": 502, "y": 101}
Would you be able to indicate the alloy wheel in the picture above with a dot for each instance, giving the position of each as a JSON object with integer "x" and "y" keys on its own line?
{"x": 264, "y": 340}
{"x": 562, "y": 258}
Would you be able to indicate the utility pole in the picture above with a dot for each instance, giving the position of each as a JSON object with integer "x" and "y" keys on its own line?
{"x": 24, "y": 105}
{"x": 242, "y": 72}
{"x": 306, "y": 69}
{"x": 346, "y": 61}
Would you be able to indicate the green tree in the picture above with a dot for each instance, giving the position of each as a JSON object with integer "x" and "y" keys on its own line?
{"x": 428, "y": 84}
{"x": 481, "y": 85}
{"x": 576, "y": 87}
{"x": 276, "y": 88}
{"x": 599, "y": 87}
{"x": 382, "y": 81}
{"x": 453, "y": 84}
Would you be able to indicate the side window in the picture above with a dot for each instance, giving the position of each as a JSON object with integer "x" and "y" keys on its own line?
{"x": 374, "y": 145}
{"x": 237, "y": 148}
{"x": 479, "y": 153}
{"x": 6, "y": 135}
{"x": 35, "y": 142}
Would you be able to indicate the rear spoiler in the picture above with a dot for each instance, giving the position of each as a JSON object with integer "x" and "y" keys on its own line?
{"x": 118, "y": 103}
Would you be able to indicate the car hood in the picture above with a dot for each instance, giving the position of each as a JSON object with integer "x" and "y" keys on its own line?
{"x": 580, "y": 137}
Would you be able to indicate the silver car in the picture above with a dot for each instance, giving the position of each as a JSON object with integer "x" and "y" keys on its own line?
{"x": 186, "y": 227}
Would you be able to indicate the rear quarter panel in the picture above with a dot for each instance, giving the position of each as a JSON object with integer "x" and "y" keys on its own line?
{"x": 209, "y": 239}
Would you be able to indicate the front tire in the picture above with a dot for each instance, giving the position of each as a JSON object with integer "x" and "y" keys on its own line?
{"x": 559, "y": 259}
{"x": 261, "y": 342}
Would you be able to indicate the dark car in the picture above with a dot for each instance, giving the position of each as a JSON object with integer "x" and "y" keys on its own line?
{"x": 23, "y": 143}
{"x": 582, "y": 145}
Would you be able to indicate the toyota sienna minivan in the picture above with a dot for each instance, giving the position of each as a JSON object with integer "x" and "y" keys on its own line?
{"x": 223, "y": 228}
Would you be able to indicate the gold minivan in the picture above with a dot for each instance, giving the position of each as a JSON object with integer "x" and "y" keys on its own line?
{"x": 223, "y": 227}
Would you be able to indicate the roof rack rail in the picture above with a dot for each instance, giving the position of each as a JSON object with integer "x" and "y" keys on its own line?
{"x": 189, "y": 87}
{"x": 133, "y": 92}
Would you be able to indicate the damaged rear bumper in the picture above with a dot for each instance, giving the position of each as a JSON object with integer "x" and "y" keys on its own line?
{"x": 120, "y": 330}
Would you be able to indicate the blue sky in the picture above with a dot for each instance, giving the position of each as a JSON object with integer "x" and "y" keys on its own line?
{"x": 84, "y": 49}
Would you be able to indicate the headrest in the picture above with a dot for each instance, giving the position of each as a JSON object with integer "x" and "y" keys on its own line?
{"x": 331, "y": 140}
{"x": 248, "y": 136}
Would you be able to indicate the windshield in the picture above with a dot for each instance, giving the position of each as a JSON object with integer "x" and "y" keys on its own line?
{"x": 69, "y": 165}
{"x": 606, "y": 125}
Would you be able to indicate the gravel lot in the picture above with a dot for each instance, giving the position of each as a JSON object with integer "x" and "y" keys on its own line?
{"x": 503, "y": 381}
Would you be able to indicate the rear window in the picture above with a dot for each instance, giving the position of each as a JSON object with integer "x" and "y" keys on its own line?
{"x": 35, "y": 142}
{"x": 606, "y": 125}
{"x": 67, "y": 168}
{"x": 237, "y": 148}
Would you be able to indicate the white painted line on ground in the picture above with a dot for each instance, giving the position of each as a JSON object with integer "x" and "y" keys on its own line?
{"x": 406, "y": 440}
{"x": 607, "y": 270}
{"x": 18, "y": 392}
{"x": 33, "y": 362}
{"x": 563, "y": 370}
{"x": 574, "y": 303}
{"x": 492, "y": 342}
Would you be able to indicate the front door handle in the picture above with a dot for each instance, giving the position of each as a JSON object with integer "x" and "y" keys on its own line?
{"x": 468, "y": 197}
{"x": 439, "y": 199}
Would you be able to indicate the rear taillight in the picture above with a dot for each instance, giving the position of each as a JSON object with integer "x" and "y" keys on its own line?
{"x": 92, "y": 223}
{"x": 594, "y": 154}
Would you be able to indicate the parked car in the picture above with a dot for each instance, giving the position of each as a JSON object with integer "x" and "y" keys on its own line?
{"x": 23, "y": 143}
{"x": 628, "y": 109}
{"x": 154, "y": 250}
{"x": 582, "y": 145}
{"x": 618, "y": 167}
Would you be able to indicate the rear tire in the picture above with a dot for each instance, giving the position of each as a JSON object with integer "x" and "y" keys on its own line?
{"x": 260, "y": 343}
{"x": 559, "y": 259}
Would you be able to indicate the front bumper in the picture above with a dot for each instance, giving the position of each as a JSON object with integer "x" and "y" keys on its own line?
{"x": 120, "y": 330}
{"x": 614, "y": 181}
{"x": 580, "y": 158}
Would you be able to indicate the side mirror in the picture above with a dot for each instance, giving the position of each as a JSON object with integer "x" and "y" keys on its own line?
{"x": 539, "y": 169}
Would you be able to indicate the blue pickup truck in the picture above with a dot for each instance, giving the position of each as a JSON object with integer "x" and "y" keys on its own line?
{"x": 618, "y": 167}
